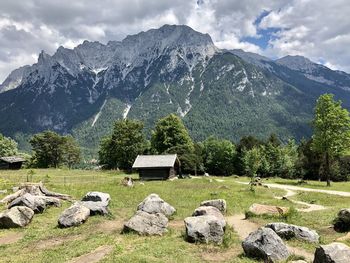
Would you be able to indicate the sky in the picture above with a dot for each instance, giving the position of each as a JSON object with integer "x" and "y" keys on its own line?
{"x": 317, "y": 29}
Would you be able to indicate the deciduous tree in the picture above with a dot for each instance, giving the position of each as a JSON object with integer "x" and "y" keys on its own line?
{"x": 170, "y": 132}
{"x": 120, "y": 149}
{"x": 331, "y": 131}
{"x": 8, "y": 146}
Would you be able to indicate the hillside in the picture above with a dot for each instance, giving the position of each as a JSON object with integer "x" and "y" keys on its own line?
{"x": 228, "y": 93}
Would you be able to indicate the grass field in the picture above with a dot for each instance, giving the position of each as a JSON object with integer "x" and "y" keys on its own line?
{"x": 43, "y": 241}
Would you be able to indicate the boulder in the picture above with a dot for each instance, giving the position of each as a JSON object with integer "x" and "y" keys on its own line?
{"x": 209, "y": 210}
{"x": 218, "y": 203}
{"x": 38, "y": 203}
{"x": 258, "y": 209}
{"x": 97, "y": 197}
{"x": 265, "y": 244}
{"x": 287, "y": 231}
{"x": 96, "y": 208}
{"x": 342, "y": 221}
{"x": 332, "y": 253}
{"x": 17, "y": 216}
{"x": 204, "y": 229}
{"x": 154, "y": 204}
{"x": 145, "y": 223}
{"x": 75, "y": 215}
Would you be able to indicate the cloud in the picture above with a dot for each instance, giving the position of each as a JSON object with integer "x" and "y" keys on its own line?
{"x": 319, "y": 30}
{"x": 316, "y": 29}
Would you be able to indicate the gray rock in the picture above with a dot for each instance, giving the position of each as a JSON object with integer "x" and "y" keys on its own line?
{"x": 298, "y": 261}
{"x": 265, "y": 244}
{"x": 38, "y": 203}
{"x": 287, "y": 231}
{"x": 97, "y": 197}
{"x": 332, "y": 253}
{"x": 96, "y": 208}
{"x": 342, "y": 222}
{"x": 145, "y": 223}
{"x": 210, "y": 210}
{"x": 344, "y": 215}
{"x": 204, "y": 229}
{"x": 17, "y": 216}
{"x": 154, "y": 204}
{"x": 75, "y": 215}
{"x": 218, "y": 203}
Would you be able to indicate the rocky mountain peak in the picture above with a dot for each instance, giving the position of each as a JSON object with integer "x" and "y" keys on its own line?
{"x": 298, "y": 63}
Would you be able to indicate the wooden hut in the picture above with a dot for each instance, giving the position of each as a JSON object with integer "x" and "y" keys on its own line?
{"x": 11, "y": 162}
{"x": 157, "y": 167}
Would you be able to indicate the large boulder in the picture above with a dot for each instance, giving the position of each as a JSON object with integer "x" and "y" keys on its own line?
{"x": 154, "y": 204}
{"x": 332, "y": 253}
{"x": 218, "y": 203}
{"x": 38, "y": 203}
{"x": 265, "y": 244}
{"x": 96, "y": 208}
{"x": 204, "y": 229}
{"x": 97, "y": 197}
{"x": 258, "y": 209}
{"x": 210, "y": 210}
{"x": 145, "y": 223}
{"x": 342, "y": 221}
{"x": 287, "y": 231}
{"x": 17, "y": 216}
{"x": 75, "y": 215}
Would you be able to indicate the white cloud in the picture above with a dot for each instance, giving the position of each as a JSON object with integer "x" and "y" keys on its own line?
{"x": 319, "y": 30}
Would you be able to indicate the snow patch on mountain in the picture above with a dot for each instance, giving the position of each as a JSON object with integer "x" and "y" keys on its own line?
{"x": 98, "y": 70}
{"x": 98, "y": 114}
{"x": 188, "y": 105}
{"x": 244, "y": 81}
{"x": 126, "y": 111}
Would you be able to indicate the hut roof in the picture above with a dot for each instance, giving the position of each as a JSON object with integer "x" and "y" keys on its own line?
{"x": 155, "y": 161}
{"x": 12, "y": 159}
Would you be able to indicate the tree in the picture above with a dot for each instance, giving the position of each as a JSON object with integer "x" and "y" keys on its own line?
{"x": 170, "y": 132}
{"x": 219, "y": 156}
{"x": 52, "y": 150}
{"x": 8, "y": 146}
{"x": 191, "y": 158}
{"x": 331, "y": 131}
{"x": 72, "y": 153}
{"x": 245, "y": 143}
{"x": 120, "y": 149}
{"x": 252, "y": 163}
{"x": 309, "y": 162}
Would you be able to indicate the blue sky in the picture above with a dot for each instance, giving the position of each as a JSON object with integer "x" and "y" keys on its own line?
{"x": 263, "y": 35}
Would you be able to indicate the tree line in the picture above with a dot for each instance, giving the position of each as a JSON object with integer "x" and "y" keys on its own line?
{"x": 322, "y": 157}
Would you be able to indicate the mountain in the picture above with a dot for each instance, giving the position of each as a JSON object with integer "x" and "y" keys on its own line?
{"x": 227, "y": 93}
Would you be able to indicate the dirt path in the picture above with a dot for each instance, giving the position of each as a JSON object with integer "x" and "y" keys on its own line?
{"x": 290, "y": 189}
{"x": 94, "y": 256}
{"x": 298, "y": 188}
{"x": 244, "y": 227}
{"x": 55, "y": 241}
{"x": 10, "y": 238}
{"x": 309, "y": 207}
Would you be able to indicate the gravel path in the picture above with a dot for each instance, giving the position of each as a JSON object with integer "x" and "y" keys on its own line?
{"x": 298, "y": 188}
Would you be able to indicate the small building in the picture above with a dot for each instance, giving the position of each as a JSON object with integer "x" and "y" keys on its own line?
{"x": 157, "y": 167}
{"x": 11, "y": 162}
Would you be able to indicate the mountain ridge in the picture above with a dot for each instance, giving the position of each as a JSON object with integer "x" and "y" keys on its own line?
{"x": 227, "y": 93}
